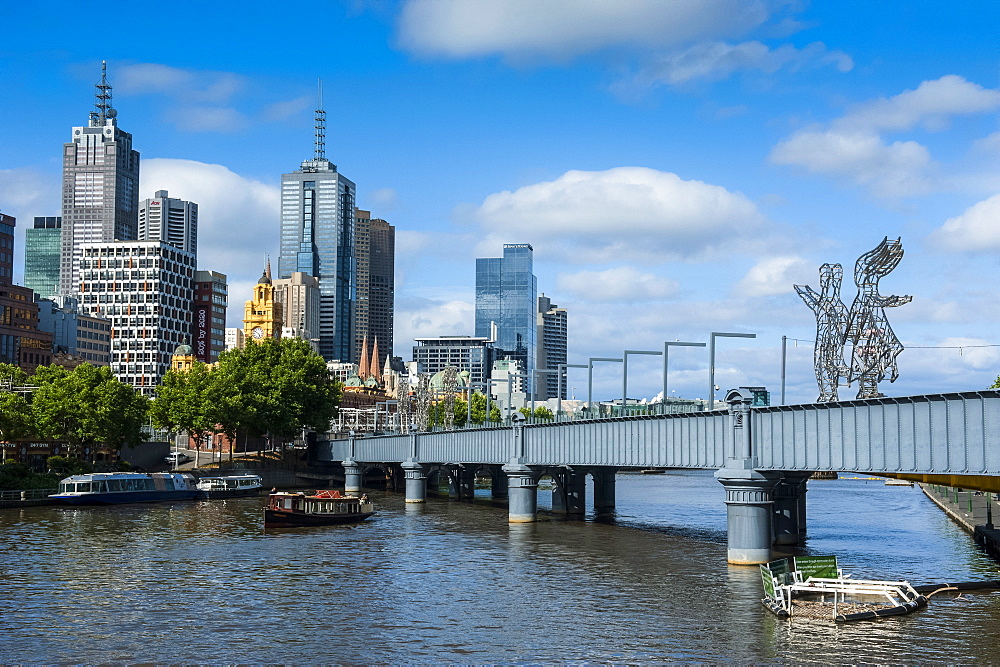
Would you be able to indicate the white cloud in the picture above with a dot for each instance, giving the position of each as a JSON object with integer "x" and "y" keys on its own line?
{"x": 237, "y": 217}
{"x": 622, "y": 284}
{"x": 384, "y": 199}
{"x": 988, "y": 144}
{"x": 421, "y": 318}
{"x": 623, "y": 214}
{"x": 287, "y": 108}
{"x": 853, "y": 147}
{"x": 201, "y": 86}
{"x": 562, "y": 29}
{"x": 714, "y": 61}
{"x": 25, "y": 193}
{"x": 774, "y": 275}
{"x": 977, "y": 229}
{"x": 208, "y": 119}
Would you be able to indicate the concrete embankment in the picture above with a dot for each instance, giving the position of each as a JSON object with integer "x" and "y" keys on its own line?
{"x": 972, "y": 510}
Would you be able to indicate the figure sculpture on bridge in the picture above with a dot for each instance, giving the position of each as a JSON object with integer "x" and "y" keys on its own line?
{"x": 875, "y": 345}
{"x": 831, "y": 323}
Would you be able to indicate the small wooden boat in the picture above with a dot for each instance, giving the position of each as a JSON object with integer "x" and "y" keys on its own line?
{"x": 318, "y": 509}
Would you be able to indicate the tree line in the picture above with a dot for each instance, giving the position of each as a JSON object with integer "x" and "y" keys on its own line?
{"x": 271, "y": 389}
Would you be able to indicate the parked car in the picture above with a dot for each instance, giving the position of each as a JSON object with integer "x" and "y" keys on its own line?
{"x": 176, "y": 458}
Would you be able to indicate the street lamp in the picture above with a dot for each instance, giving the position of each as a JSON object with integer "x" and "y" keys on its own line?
{"x": 666, "y": 359}
{"x": 534, "y": 384}
{"x": 711, "y": 361}
{"x": 590, "y": 381}
{"x": 625, "y": 372}
{"x": 562, "y": 384}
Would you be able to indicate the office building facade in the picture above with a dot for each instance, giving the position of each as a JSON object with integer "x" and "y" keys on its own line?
{"x": 506, "y": 293}
{"x": 22, "y": 343}
{"x": 100, "y": 187}
{"x": 375, "y": 274}
{"x": 42, "y": 249}
{"x": 551, "y": 338}
{"x": 145, "y": 289}
{"x": 466, "y": 353}
{"x": 317, "y": 239}
{"x": 75, "y": 335}
{"x": 208, "y": 324}
{"x": 299, "y": 299}
{"x": 174, "y": 221}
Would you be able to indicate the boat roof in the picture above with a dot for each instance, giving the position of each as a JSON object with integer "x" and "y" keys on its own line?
{"x": 91, "y": 476}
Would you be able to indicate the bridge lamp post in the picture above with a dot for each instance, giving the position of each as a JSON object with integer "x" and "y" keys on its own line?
{"x": 666, "y": 365}
{"x": 625, "y": 372}
{"x": 562, "y": 384}
{"x": 711, "y": 361}
{"x": 590, "y": 381}
{"x": 534, "y": 384}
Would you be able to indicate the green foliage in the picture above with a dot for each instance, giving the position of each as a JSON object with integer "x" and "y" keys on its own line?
{"x": 14, "y": 476}
{"x": 542, "y": 413}
{"x": 15, "y": 412}
{"x": 478, "y": 408}
{"x": 86, "y": 406}
{"x": 64, "y": 466}
{"x": 186, "y": 401}
{"x": 995, "y": 385}
{"x": 274, "y": 388}
{"x": 495, "y": 415}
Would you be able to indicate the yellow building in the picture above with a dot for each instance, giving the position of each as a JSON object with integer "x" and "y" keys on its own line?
{"x": 263, "y": 315}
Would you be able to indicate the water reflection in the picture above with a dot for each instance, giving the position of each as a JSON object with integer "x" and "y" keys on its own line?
{"x": 451, "y": 581}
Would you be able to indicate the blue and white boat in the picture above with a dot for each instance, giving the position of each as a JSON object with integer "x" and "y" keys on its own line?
{"x": 229, "y": 486}
{"x": 112, "y": 488}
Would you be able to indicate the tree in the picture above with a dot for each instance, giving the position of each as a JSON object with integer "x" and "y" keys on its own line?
{"x": 542, "y": 413}
{"x": 186, "y": 401}
{"x": 478, "y": 408}
{"x": 15, "y": 412}
{"x": 86, "y": 407}
{"x": 274, "y": 388}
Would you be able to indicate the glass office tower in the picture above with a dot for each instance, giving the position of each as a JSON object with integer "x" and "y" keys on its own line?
{"x": 42, "y": 250}
{"x": 506, "y": 293}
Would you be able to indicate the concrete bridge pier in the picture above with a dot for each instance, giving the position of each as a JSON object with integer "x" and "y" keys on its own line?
{"x": 604, "y": 489}
{"x": 462, "y": 482}
{"x": 498, "y": 483}
{"x": 522, "y": 491}
{"x": 789, "y": 508}
{"x": 570, "y": 494}
{"x": 416, "y": 481}
{"x": 749, "y": 514}
{"x": 353, "y": 476}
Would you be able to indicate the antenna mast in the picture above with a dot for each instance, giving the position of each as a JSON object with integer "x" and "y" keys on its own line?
{"x": 102, "y": 102}
{"x": 320, "y": 126}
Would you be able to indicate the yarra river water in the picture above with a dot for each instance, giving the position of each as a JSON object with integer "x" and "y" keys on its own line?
{"x": 451, "y": 582}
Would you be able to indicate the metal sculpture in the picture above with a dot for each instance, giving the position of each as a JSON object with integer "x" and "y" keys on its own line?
{"x": 450, "y": 386}
{"x": 831, "y": 323}
{"x": 875, "y": 345}
{"x": 423, "y": 401}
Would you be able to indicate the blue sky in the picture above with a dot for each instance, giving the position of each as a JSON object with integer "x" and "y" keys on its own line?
{"x": 677, "y": 164}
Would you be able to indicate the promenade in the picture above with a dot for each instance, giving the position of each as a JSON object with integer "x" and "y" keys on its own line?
{"x": 972, "y": 510}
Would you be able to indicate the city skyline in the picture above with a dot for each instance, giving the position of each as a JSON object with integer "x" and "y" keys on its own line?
{"x": 676, "y": 169}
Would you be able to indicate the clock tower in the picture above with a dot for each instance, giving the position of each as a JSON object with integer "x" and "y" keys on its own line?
{"x": 263, "y": 317}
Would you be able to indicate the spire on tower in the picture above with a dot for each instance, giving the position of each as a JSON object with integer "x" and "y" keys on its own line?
{"x": 103, "y": 111}
{"x": 320, "y": 126}
{"x": 363, "y": 368}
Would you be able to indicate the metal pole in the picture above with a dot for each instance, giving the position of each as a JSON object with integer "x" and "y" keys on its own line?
{"x": 711, "y": 361}
{"x": 666, "y": 365}
{"x": 590, "y": 381}
{"x": 625, "y": 372}
{"x": 784, "y": 343}
{"x": 562, "y": 384}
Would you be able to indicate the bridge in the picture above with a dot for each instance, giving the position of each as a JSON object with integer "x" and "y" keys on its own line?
{"x": 762, "y": 456}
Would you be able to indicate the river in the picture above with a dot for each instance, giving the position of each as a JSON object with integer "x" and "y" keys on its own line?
{"x": 452, "y": 582}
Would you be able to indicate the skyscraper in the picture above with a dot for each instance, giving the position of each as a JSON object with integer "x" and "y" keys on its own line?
{"x": 208, "y": 326}
{"x": 506, "y": 292}
{"x": 100, "y": 191}
{"x": 299, "y": 299}
{"x": 375, "y": 254}
{"x": 551, "y": 323}
{"x": 21, "y": 341}
{"x": 317, "y": 238}
{"x": 172, "y": 221}
{"x": 42, "y": 248}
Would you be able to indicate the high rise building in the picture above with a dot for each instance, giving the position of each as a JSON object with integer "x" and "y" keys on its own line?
{"x": 506, "y": 293}
{"x": 42, "y": 248}
{"x": 551, "y": 325}
{"x": 174, "y": 221}
{"x": 317, "y": 239}
{"x": 100, "y": 190}
{"x": 208, "y": 327}
{"x": 77, "y": 338}
{"x": 21, "y": 342}
{"x": 145, "y": 289}
{"x": 374, "y": 254}
{"x": 466, "y": 353}
{"x": 299, "y": 299}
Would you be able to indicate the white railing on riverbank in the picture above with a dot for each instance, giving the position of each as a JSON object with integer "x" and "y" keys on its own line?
{"x": 27, "y": 494}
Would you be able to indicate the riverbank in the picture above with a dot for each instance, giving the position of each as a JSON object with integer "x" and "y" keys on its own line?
{"x": 969, "y": 509}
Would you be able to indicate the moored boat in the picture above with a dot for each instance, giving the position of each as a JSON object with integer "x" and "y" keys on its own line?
{"x": 229, "y": 486}
{"x": 317, "y": 509}
{"x": 113, "y": 488}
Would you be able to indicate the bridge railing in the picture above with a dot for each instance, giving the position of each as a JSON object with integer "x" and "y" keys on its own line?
{"x": 935, "y": 433}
